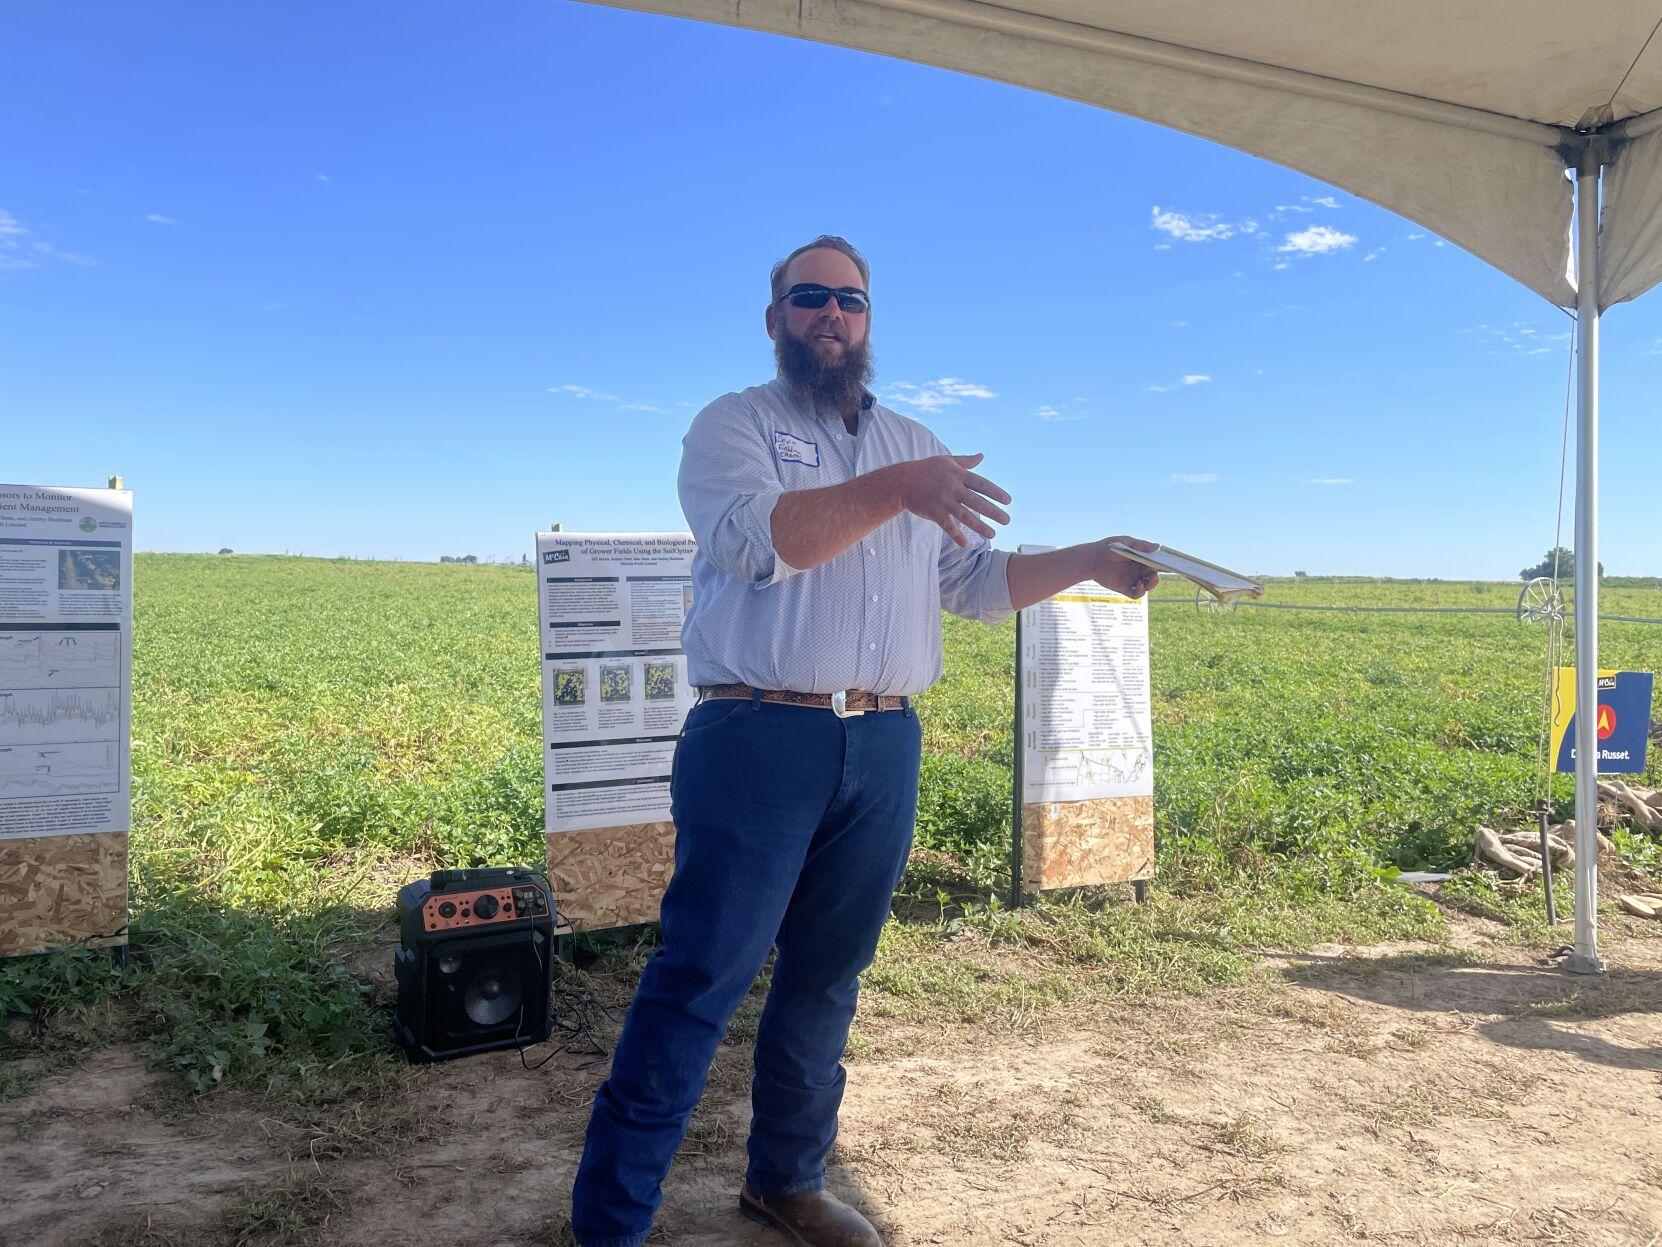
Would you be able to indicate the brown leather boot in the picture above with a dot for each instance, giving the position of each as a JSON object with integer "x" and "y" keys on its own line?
{"x": 812, "y": 1219}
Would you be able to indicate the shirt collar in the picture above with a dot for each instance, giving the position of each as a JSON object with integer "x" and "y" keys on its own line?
{"x": 868, "y": 402}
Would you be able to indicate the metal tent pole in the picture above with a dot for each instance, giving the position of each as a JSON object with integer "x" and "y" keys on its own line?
{"x": 1585, "y": 959}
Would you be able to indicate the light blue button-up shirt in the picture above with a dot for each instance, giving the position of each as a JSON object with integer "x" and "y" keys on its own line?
{"x": 869, "y": 618}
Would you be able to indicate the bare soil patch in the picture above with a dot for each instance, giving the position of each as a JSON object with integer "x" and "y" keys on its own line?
{"x": 1466, "y": 1092}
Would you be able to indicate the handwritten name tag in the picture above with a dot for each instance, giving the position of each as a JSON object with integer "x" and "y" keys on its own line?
{"x": 790, "y": 449}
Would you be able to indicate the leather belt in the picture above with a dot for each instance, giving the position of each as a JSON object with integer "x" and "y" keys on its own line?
{"x": 845, "y": 704}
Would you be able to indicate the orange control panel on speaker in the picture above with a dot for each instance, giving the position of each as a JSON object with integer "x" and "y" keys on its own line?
{"x": 448, "y": 910}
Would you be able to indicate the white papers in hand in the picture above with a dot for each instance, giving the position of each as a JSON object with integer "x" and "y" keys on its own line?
{"x": 1221, "y": 583}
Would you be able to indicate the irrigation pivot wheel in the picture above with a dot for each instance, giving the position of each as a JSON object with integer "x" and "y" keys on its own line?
{"x": 1540, "y": 601}
{"x": 1206, "y": 604}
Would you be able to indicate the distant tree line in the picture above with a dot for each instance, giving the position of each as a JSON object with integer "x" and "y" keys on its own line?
{"x": 1564, "y": 560}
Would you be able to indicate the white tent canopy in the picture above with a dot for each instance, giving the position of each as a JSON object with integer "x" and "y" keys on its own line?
{"x": 1463, "y": 115}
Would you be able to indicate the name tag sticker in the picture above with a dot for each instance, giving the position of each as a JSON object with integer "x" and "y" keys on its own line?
{"x": 790, "y": 449}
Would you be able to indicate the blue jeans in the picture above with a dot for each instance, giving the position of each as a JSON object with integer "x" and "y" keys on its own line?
{"x": 791, "y": 830}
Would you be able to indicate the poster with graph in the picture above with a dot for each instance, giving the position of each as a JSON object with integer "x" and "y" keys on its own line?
{"x": 65, "y": 660}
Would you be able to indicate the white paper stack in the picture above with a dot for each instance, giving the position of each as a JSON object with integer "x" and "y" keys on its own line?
{"x": 1220, "y": 582}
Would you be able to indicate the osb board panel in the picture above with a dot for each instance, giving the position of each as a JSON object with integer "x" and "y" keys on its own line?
{"x": 611, "y": 876}
{"x": 1072, "y": 844}
{"x": 57, "y": 890}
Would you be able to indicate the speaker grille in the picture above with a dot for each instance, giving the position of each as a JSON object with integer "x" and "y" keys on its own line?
{"x": 480, "y": 987}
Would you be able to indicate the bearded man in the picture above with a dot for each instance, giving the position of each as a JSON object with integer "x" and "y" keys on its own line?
{"x": 831, "y": 533}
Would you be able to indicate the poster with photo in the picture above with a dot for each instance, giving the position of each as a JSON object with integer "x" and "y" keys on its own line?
{"x": 66, "y": 614}
{"x": 615, "y": 689}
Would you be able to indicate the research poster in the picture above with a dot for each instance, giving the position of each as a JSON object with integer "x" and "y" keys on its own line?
{"x": 1083, "y": 674}
{"x": 66, "y": 615}
{"x": 615, "y": 687}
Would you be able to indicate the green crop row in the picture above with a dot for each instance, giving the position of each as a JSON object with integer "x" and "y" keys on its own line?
{"x": 309, "y": 734}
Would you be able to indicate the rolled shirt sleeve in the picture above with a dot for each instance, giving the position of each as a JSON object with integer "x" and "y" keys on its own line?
{"x": 974, "y": 582}
{"x": 973, "y": 577}
{"x": 729, "y": 486}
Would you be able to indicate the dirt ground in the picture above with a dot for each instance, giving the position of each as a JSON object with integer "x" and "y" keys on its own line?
{"x": 1403, "y": 1094}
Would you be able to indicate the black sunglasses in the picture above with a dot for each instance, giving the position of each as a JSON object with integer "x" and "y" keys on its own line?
{"x": 811, "y": 294}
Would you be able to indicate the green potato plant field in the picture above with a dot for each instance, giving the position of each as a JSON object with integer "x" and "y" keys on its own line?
{"x": 309, "y": 734}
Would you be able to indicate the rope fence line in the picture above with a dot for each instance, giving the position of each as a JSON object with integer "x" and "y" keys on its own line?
{"x": 1401, "y": 610}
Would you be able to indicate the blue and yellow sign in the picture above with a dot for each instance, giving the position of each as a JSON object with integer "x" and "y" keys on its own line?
{"x": 1623, "y": 722}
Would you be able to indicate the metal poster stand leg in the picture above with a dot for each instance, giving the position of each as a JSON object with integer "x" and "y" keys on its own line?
{"x": 121, "y": 953}
{"x": 1016, "y": 788}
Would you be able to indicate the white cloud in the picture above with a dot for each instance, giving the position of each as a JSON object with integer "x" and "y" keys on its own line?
{"x": 21, "y": 247}
{"x": 933, "y": 395}
{"x": 1375, "y": 254}
{"x": 589, "y": 395}
{"x": 959, "y": 388}
{"x": 1179, "y": 324}
{"x": 1184, "y": 228}
{"x": 1280, "y": 266}
{"x": 322, "y": 177}
{"x": 1194, "y": 478}
{"x": 1412, "y": 237}
{"x": 1332, "y": 480}
{"x": 1187, "y": 379}
{"x": 1307, "y": 203}
{"x": 1055, "y": 415}
{"x": 159, "y": 219}
{"x": 1521, "y": 337}
{"x": 1317, "y": 240}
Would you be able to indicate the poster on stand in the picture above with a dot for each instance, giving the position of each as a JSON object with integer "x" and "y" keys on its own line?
{"x": 614, "y": 677}
{"x": 1087, "y": 729}
{"x": 66, "y": 616}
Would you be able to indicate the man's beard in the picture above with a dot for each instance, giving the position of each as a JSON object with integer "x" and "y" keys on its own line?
{"x": 839, "y": 384}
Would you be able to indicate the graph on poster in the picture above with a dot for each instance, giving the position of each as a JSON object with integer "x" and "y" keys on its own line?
{"x": 52, "y": 658}
{"x": 59, "y": 770}
{"x": 47, "y": 716}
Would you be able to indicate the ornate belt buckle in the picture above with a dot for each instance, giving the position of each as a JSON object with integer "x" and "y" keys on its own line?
{"x": 839, "y": 706}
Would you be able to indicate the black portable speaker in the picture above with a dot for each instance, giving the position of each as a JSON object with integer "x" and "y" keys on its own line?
{"x": 475, "y": 962}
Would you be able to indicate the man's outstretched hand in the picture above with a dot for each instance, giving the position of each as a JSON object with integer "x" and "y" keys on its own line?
{"x": 1123, "y": 575}
{"x": 943, "y": 489}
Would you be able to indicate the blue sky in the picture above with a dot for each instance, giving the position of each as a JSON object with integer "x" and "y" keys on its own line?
{"x": 402, "y": 280}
